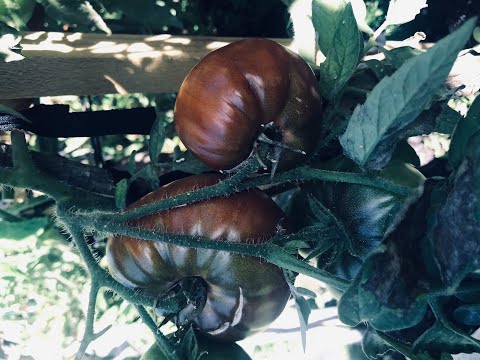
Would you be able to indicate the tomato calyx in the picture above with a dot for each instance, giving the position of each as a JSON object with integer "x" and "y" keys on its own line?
{"x": 188, "y": 297}
{"x": 268, "y": 149}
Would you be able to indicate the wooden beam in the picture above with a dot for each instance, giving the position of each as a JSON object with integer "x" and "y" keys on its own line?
{"x": 93, "y": 64}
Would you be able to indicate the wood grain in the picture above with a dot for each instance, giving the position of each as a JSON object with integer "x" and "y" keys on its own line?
{"x": 93, "y": 64}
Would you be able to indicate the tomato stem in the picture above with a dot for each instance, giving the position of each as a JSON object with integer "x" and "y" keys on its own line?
{"x": 268, "y": 251}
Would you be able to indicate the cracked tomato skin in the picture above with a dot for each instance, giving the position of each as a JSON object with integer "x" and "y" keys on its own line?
{"x": 227, "y": 97}
{"x": 244, "y": 293}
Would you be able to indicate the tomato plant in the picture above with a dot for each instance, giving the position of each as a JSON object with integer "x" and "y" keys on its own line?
{"x": 211, "y": 253}
{"x": 243, "y": 294}
{"x": 244, "y": 89}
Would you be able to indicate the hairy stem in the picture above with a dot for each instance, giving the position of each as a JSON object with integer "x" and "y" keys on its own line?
{"x": 163, "y": 343}
{"x": 268, "y": 251}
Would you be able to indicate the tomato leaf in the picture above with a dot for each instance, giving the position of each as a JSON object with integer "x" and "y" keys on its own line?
{"x": 379, "y": 68}
{"x": 188, "y": 163}
{"x": 306, "y": 292}
{"x": 131, "y": 163}
{"x": 157, "y": 138}
{"x": 406, "y": 153}
{"x": 444, "y": 336}
{"x": 344, "y": 51}
{"x": 455, "y": 236}
{"x": 373, "y": 345}
{"x": 398, "y": 56}
{"x": 326, "y": 16}
{"x": 303, "y": 311}
{"x": 462, "y": 133}
{"x": 121, "y": 194}
{"x": 393, "y": 105}
{"x": 447, "y": 121}
{"x": 468, "y": 314}
{"x": 190, "y": 344}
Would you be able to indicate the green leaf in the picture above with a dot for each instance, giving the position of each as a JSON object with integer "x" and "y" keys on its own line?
{"x": 404, "y": 152}
{"x": 448, "y": 120}
{"x": 121, "y": 193}
{"x": 326, "y": 16}
{"x": 342, "y": 56}
{"x": 199, "y": 347}
{"x": 398, "y": 56}
{"x": 454, "y": 238}
{"x": 189, "y": 344}
{"x": 157, "y": 138}
{"x": 189, "y": 164}
{"x": 393, "y": 105}
{"x": 373, "y": 346}
{"x": 468, "y": 314}
{"x": 10, "y": 44}
{"x": 462, "y": 133}
{"x": 293, "y": 246}
{"x": 444, "y": 336}
{"x": 131, "y": 163}
{"x": 303, "y": 311}
{"x": 379, "y": 68}
{"x": 306, "y": 292}
{"x": 150, "y": 175}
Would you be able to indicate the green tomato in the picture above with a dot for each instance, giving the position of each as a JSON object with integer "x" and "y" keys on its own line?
{"x": 362, "y": 214}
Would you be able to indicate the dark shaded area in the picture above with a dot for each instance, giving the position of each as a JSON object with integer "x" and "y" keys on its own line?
{"x": 57, "y": 121}
{"x": 440, "y": 18}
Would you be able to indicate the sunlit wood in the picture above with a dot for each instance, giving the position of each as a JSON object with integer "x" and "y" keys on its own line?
{"x": 94, "y": 64}
{"x": 91, "y": 64}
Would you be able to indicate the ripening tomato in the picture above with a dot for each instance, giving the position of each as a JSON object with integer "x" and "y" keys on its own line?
{"x": 234, "y": 91}
{"x": 244, "y": 293}
{"x": 364, "y": 212}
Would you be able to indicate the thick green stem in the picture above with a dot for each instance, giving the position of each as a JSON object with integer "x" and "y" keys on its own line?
{"x": 233, "y": 185}
{"x": 269, "y": 251}
{"x": 25, "y": 174}
{"x": 163, "y": 343}
{"x": 306, "y": 173}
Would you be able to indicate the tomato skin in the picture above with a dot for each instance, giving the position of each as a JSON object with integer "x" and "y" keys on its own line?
{"x": 227, "y": 97}
{"x": 236, "y": 284}
{"x": 365, "y": 212}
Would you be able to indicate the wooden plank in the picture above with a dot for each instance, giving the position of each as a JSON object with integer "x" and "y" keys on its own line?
{"x": 92, "y": 64}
